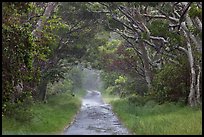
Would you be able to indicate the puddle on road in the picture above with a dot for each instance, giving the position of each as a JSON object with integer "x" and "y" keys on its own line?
{"x": 93, "y": 98}
{"x": 95, "y": 118}
{"x": 88, "y": 103}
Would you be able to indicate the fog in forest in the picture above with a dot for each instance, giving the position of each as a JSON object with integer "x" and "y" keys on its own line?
{"x": 91, "y": 79}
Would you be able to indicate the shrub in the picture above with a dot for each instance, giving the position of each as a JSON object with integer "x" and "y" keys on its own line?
{"x": 139, "y": 100}
{"x": 172, "y": 83}
{"x": 60, "y": 87}
{"x": 112, "y": 90}
{"x": 20, "y": 110}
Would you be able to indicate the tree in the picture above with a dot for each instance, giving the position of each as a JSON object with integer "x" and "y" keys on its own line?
{"x": 156, "y": 46}
{"x": 73, "y": 41}
{"x": 17, "y": 57}
{"x": 41, "y": 22}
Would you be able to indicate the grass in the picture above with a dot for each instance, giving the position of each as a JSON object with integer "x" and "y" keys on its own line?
{"x": 166, "y": 119}
{"x": 49, "y": 118}
{"x": 155, "y": 119}
{"x": 109, "y": 98}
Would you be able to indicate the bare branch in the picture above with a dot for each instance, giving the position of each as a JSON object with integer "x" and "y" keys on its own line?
{"x": 159, "y": 38}
{"x": 199, "y": 23}
{"x": 183, "y": 49}
{"x": 151, "y": 44}
{"x": 181, "y": 19}
{"x": 132, "y": 45}
{"x": 131, "y": 18}
{"x": 121, "y": 22}
{"x": 161, "y": 17}
{"x": 36, "y": 16}
{"x": 176, "y": 13}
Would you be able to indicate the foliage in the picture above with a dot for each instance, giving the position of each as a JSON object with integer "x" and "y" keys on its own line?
{"x": 24, "y": 56}
{"x": 159, "y": 28}
{"x": 73, "y": 36}
{"x": 18, "y": 54}
{"x": 172, "y": 82}
{"x": 195, "y": 11}
{"x": 108, "y": 78}
{"x": 120, "y": 84}
{"x": 76, "y": 33}
{"x": 120, "y": 80}
{"x": 110, "y": 47}
{"x": 71, "y": 82}
{"x": 59, "y": 87}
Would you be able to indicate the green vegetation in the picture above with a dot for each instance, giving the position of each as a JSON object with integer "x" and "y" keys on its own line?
{"x": 141, "y": 55}
{"x": 154, "y": 119}
{"x": 164, "y": 86}
{"x": 49, "y": 118}
{"x": 108, "y": 98}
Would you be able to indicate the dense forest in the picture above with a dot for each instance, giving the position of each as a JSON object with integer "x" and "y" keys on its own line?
{"x": 142, "y": 50}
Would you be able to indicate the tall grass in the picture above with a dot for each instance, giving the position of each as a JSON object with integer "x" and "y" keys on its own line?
{"x": 49, "y": 118}
{"x": 155, "y": 119}
{"x": 108, "y": 98}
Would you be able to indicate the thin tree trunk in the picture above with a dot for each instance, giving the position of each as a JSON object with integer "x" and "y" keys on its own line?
{"x": 192, "y": 94}
{"x": 191, "y": 36}
{"x": 42, "y": 88}
{"x": 198, "y": 85}
{"x": 191, "y": 97}
{"x": 199, "y": 23}
{"x": 147, "y": 70}
{"x": 37, "y": 33}
{"x": 148, "y": 75}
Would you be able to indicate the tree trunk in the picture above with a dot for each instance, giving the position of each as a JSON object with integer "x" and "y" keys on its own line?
{"x": 192, "y": 95}
{"x": 199, "y": 24}
{"x": 148, "y": 74}
{"x": 42, "y": 88}
{"x": 195, "y": 40}
{"x": 47, "y": 13}
{"x": 37, "y": 33}
{"x": 198, "y": 85}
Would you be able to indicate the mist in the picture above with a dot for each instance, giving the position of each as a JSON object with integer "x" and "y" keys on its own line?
{"x": 91, "y": 79}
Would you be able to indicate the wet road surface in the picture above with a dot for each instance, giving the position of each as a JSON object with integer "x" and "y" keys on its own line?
{"x": 95, "y": 118}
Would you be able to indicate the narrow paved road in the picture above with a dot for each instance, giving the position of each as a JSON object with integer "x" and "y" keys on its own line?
{"x": 95, "y": 118}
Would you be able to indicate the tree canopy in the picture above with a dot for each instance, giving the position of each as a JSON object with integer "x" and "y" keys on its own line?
{"x": 144, "y": 48}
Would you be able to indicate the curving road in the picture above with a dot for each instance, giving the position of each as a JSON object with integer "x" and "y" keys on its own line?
{"x": 95, "y": 118}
